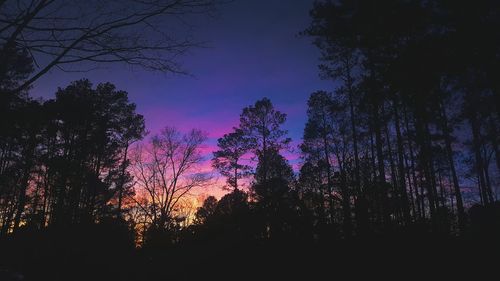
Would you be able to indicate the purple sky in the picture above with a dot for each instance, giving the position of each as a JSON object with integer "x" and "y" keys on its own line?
{"x": 253, "y": 51}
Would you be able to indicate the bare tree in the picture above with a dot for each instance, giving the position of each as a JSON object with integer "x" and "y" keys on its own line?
{"x": 61, "y": 33}
{"x": 167, "y": 170}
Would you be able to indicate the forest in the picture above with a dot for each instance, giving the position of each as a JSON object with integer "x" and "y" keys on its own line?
{"x": 401, "y": 158}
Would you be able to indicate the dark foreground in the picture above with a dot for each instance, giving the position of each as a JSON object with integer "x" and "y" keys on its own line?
{"x": 69, "y": 255}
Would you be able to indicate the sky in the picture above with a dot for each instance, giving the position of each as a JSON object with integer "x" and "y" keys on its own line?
{"x": 253, "y": 50}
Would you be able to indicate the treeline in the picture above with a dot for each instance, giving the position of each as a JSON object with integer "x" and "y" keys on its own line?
{"x": 407, "y": 140}
{"x": 64, "y": 160}
{"x": 413, "y": 124}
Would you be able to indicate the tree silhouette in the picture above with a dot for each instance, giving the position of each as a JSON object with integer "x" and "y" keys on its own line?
{"x": 400, "y": 125}
{"x": 206, "y": 210}
{"x": 227, "y": 159}
{"x": 273, "y": 177}
{"x": 70, "y": 155}
{"x": 15, "y": 68}
{"x": 166, "y": 171}
{"x": 261, "y": 125}
{"x": 319, "y": 149}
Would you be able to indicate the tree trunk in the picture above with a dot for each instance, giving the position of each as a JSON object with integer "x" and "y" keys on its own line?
{"x": 419, "y": 195}
{"x": 479, "y": 162}
{"x": 122, "y": 181}
{"x": 346, "y": 204}
{"x": 401, "y": 167}
{"x": 454, "y": 177}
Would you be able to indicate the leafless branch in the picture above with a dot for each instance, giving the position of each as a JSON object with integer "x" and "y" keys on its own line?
{"x": 137, "y": 32}
{"x": 167, "y": 170}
